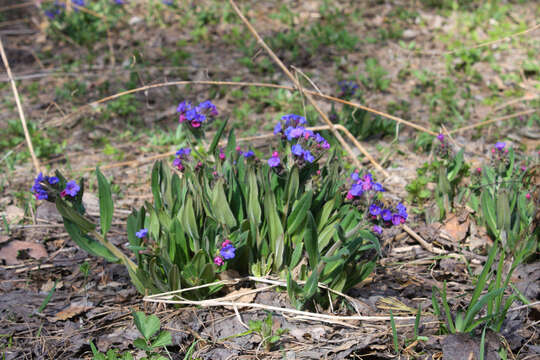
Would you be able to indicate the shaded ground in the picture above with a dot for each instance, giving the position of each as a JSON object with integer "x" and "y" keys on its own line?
{"x": 416, "y": 76}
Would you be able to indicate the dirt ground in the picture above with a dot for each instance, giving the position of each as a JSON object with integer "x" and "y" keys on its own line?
{"x": 429, "y": 84}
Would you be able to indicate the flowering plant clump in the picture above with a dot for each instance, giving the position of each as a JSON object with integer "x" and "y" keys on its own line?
{"x": 219, "y": 209}
{"x": 83, "y": 26}
{"x": 500, "y": 194}
{"x": 47, "y": 188}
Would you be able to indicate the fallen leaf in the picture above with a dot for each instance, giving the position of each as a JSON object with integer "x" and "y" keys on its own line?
{"x": 74, "y": 309}
{"x": 456, "y": 230}
{"x": 11, "y": 251}
{"x": 242, "y": 295}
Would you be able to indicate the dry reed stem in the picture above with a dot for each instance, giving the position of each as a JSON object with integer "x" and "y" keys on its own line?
{"x": 502, "y": 118}
{"x": 307, "y": 95}
{"x": 19, "y": 108}
{"x": 239, "y": 83}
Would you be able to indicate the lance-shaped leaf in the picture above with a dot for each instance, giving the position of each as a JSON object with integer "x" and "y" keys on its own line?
{"x": 311, "y": 241}
{"x": 275, "y": 229}
{"x": 71, "y": 214}
{"x": 87, "y": 243}
{"x": 488, "y": 210}
{"x": 299, "y": 212}
{"x": 106, "y": 206}
{"x": 221, "y": 207}
{"x": 311, "y": 286}
{"x": 217, "y": 136}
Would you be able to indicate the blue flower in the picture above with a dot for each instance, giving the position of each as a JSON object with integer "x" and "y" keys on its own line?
{"x": 377, "y": 229}
{"x": 184, "y": 106}
{"x": 71, "y": 188}
{"x": 293, "y": 119}
{"x": 378, "y": 187}
{"x": 500, "y": 145}
{"x": 374, "y": 210}
{"x": 308, "y": 157}
{"x": 297, "y": 150}
{"x": 141, "y": 233}
{"x": 183, "y": 151}
{"x": 319, "y": 138}
{"x": 249, "y": 154}
{"x": 277, "y": 128}
{"x": 296, "y": 133}
{"x": 227, "y": 252}
{"x": 53, "y": 180}
{"x": 386, "y": 215}
{"x": 355, "y": 176}
{"x": 356, "y": 190}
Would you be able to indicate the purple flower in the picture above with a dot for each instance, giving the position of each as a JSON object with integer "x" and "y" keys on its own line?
{"x": 378, "y": 187}
{"x": 374, "y": 210}
{"x": 348, "y": 87}
{"x": 295, "y": 133}
{"x": 402, "y": 211}
{"x": 177, "y": 163}
{"x": 71, "y": 189}
{"x": 319, "y": 138}
{"x": 325, "y": 145}
{"x": 53, "y": 180}
{"x": 308, "y": 157}
{"x": 440, "y": 137}
{"x": 183, "y": 151}
{"x": 500, "y": 145}
{"x": 307, "y": 134}
{"x": 184, "y": 106}
{"x": 274, "y": 160}
{"x": 355, "y": 176}
{"x": 386, "y": 215}
{"x": 207, "y": 107}
{"x": 377, "y": 229}
{"x": 227, "y": 251}
{"x": 141, "y": 233}
{"x": 277, "y": 128}
{"x": 249, "y": 154}
{"x": 297, "y": 150}
{"x": 356, "y": 190}
{"x": 396, "y": 219}
{"x": 294, "y": 119}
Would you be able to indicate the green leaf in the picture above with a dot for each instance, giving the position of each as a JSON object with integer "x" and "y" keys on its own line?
{"x": 221, "y": 206}
{"x": 277, "y": 245}
{"x": 147, "y": 325}
{"x": 299, "y": 212}
{"x": 72, "y": 215}
{"x": 311, "y": 286}
{"x": 471, "y": 312}
{"x": 488, "y": 210}
{"x": 217, "y": 136}
{"x": 163, "y": 339}
{"x": 156, "y": 170}
{"x": 296, "y": 255}
{"x": 189, "y": 223}
{"x": 141, "y": 344}
{"x": 311, "y": 241}
{"x": 88, "y": 244}
{"x": 327, "y": 209}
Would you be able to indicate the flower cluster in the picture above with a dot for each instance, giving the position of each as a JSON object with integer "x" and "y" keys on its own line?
{"x": 307, "y": 144}
{"x": 195, "y": 116}
{"x": 40, "y": 190}
{"x": 362, "y": 184}
{"x": 443, "y": 150}
{"x": 348, "y": 88}
{"x": 58, "y": 7}
{"x": 397, "y": 217}
{"x": 225, "y": 253}
{"x": 182, "y": 156}
{"x": 142, "y": 233}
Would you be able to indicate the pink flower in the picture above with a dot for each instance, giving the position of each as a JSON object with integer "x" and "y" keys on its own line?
{"x": 218, "y": 261}
{"x": 479, "y": 170}
{"x": 528, "y": 196}
{"x": 182, "y": 118}
{"x": 523, "y": 168}
{"x": 196, "y": 124}
{"x": 349, "y": 196}
{"x": 225, "y": 243}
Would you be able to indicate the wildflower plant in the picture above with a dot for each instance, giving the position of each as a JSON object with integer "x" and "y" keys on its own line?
{"x": 288, "y": 214}
{"x": 83, "y": 27}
